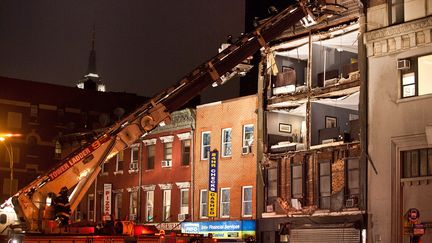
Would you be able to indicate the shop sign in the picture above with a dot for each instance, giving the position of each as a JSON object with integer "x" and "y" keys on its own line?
{"x": 212, "y": 186}
{"x": 221, "y": 229}
{"x": 107, "y": 201}
{"x": 167, "y": 226}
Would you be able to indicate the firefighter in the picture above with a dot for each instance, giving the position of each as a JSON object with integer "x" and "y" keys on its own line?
{"x": 62, "y": 207}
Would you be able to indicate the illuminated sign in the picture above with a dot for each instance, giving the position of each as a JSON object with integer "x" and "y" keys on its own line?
{"x": 221, "y": 229}
{"x": 77, "y": 158}
{"x": 107, "y": 201}
{"x": 213, "y": 180}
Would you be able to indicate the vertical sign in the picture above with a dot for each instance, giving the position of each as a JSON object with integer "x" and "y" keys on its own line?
{"x": 213, "y": 179}
{"x": 107, "y": 202}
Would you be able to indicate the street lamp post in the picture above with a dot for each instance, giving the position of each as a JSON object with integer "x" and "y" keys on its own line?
{"x": 3, "y": 139}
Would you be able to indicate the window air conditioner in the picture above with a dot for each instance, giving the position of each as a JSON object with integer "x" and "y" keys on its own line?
{"x": 133, "y": 166}
{"x": 246, "y": 149}
{"x": 182, "y": 217}
{"x": 166, "y": 163}
{"x": 351, "y": 202}
{"x": 403, "y": 64}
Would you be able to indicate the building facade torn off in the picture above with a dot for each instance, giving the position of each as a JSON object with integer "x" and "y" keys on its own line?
{"x": 312, "y": 165}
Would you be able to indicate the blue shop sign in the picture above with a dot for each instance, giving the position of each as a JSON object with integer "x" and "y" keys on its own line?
{"x": 221, "y": 229}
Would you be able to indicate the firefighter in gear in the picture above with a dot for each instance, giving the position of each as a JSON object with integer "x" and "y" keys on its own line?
{"x": 62, "y": 207}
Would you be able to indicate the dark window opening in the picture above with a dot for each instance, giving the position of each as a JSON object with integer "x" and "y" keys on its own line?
{"x": 3, "y": 218}
{"x": 186, "y": 152}
{"x": 150, "y": 157}
{"x": 416, "y": 163}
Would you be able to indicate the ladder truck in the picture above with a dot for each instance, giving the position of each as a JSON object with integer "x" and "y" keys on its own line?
{"x": 28, "y": 211}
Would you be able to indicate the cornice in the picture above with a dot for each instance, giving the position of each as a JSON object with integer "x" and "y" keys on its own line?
{"x": 148, "y": 187}
{"x": 179, "y": 120}
{"x": 399, "y": 38}
{"x": 397, "y": 30}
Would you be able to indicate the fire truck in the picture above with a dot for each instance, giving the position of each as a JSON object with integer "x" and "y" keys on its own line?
{"x": 30, "y": 212}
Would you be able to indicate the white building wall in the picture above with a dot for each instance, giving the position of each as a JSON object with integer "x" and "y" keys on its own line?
{"x": 395, "y": 125}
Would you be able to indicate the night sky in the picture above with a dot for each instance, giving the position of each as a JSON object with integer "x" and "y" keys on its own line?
{"x": 141, "y": 46}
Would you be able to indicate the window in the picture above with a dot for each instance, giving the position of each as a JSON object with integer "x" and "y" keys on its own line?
{"x": 247, "y": 201}
{"x": 166, "y": 210}
{"x": 150, "y": 156}
{"x": 184, "y": 201}
{"x": 416, "y": 78}
{"x": 397, "y": 11}
{"x": 60, "y": 116}
{"x": 353, "y": 177}
{"x": 417, "y": 163}
{"x": 58, "y": 150}
{"x": 134, "y": 158}
{"x": 34, "y": 113}
{"x": 117, "y": 205}
{"x": 203, "y": 204}
{"x": 186, "y": 149}
{"x": 84, "y": 119}
{"x": 205, "y": 145}
{"x": 297, "y": 181}
{"x": 226, "y": 142}
{"x": 167, "y": 155}
{"x": 3, "y": 218}
{"x": 91, "y": 207}
{"x": 272, "y": 182}
{"x": 7, "y": 186}
{"x": 77, "y": 213}
{"x": 149, "y": 206}
{"x": 9, "y": 154}
{"x": 14, "y": 120}
{"x": 225, "y": 203}
{"x": 324, "y": 184}
{"x": 104, "y": 167}
{"x": 248, "y": 131}
{"x": 119, "y": 162}
{"x": 133, "y": 205}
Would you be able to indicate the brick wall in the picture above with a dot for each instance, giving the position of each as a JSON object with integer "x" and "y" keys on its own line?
{"x": 235, "y": 171}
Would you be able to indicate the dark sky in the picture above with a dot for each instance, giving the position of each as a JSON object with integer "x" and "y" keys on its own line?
{"x": 141, "y": 46}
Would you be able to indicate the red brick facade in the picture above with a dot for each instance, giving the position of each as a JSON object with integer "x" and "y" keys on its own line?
{"x": 173, "y": 176}
{"x": 236, "y": 171}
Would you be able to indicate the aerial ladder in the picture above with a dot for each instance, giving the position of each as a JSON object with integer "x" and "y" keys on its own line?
{"x": 79, "y": 170}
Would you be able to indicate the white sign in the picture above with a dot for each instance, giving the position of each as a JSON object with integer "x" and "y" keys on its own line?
{"x": 107, "y": 201}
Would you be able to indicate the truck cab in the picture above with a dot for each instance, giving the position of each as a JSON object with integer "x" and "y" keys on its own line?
{"x": 8, "y": 217}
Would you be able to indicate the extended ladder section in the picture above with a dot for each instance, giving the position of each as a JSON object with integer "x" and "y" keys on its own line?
{"x": 80, "y": 169}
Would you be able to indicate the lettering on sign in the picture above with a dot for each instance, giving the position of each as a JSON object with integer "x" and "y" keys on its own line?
{"x": 77, "y": 158}
{"x": 107, "y": 201}
{"x": 213, "y": 180}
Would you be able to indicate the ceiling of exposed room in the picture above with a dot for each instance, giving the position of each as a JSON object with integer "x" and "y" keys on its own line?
{"x": 343, "y": 40}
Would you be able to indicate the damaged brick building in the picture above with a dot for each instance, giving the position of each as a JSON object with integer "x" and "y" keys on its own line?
{"x": 312, "y": 185}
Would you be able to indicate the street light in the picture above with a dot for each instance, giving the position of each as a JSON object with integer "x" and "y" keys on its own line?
{"x": 3, "y": 139}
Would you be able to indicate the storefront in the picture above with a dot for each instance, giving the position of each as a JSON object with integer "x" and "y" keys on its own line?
{"x": 239, "y": 229}
{"x": 345, "y": 228}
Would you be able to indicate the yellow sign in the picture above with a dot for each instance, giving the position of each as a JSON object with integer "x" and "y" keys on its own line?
{"x": 212, "y": 204}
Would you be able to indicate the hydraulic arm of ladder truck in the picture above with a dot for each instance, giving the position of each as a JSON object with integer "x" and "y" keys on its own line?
{"x": 80, "y": 168}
